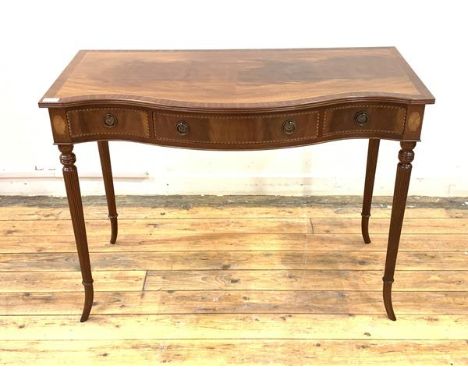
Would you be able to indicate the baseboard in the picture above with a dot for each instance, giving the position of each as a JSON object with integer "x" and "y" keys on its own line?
{"x": 142, "y": 184}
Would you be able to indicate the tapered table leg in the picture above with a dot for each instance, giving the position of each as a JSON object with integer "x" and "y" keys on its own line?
{"x": 406, "y": 156}
{"x": 372, "y": 155}
{"x": 72, "y": 185}
{"x": 103, "y": 147}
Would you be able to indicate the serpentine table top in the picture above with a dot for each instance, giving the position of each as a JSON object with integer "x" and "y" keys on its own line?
{"x": 216, "y": 80}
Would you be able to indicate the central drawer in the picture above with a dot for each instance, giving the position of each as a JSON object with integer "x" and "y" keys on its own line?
{"x": 242, "y": 131}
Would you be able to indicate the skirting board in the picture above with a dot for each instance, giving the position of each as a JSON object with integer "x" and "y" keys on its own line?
{"x": 142, "y": 184}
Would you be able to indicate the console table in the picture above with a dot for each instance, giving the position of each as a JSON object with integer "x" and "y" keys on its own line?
{"x": 237, "y": 100}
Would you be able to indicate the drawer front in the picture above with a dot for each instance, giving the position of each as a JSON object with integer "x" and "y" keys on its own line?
{"x": 108, "y": 123}
{"x": 364, "y": 119}
{"x": 236, "y": 131}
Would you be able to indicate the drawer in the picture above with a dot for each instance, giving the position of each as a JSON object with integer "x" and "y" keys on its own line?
{"x": 108, "y": 123}
{"x": 216, "y": 130}
{"x": 364, "y": 119}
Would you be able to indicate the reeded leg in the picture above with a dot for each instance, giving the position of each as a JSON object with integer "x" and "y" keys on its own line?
{"x": 103, "y": 147}
{"x": 406, "y": 156}
{"x": 372, "y": 154}
{"x": 72, "y": 185}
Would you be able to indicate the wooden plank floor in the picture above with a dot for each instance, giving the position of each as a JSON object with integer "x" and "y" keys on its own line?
{"x": 237, "y": 281}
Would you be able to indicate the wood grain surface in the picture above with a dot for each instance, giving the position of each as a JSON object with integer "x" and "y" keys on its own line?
{"x": 236, "y": 79}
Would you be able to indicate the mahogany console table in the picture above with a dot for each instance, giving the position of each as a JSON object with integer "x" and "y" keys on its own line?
{"x": 237, "y": 100}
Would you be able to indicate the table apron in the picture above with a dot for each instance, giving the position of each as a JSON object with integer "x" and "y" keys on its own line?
{"x": 237, "y": 131}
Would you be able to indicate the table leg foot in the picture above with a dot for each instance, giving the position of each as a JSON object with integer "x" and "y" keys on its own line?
{"x": 114, "y": 229}
{"x": 372, "y": 155}
{"x": 88, "y": 302}
{"x": 365, "y": 228}
{"x": 387, "y": 297}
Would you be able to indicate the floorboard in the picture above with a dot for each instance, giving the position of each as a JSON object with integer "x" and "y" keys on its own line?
{"x": 233, "y": 281}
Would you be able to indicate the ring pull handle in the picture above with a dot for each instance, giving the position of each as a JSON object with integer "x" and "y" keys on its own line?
{"x": 289, "y": 127}
{"x": 182, "y": 127}
{"x": 110, "y": 120}
{"x": 361, "y": 118}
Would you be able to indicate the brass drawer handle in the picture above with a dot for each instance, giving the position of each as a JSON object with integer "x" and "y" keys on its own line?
{"x": 289, "y": 127}
{"x": 361, "y": 118}
{"x": 183, "y": 128}
{"x": 110, "y": 120}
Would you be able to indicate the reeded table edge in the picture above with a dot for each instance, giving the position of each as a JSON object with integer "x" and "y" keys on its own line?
{"x": 424, "y": 96}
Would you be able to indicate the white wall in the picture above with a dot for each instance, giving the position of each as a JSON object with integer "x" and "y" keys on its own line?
{"x": 38, "y": 38}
